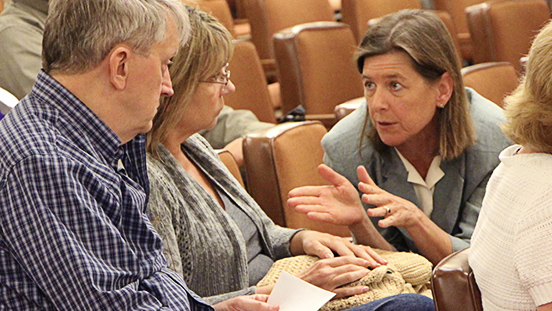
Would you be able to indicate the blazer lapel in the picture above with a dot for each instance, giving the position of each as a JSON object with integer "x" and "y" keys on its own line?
{"x": 395, "y": 177}
{"x": 448, "y": 194}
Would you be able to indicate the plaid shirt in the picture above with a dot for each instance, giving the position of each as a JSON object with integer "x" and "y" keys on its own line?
{"x": 73, "y": 230}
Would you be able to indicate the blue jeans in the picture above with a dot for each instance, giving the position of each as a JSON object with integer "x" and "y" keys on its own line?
{"x": 402, "y": 302}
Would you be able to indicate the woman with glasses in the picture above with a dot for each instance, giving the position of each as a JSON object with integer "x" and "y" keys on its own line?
{"x": 214, "y": 233}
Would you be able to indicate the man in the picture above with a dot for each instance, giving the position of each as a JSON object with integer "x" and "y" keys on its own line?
{"x": 74, "y": 234}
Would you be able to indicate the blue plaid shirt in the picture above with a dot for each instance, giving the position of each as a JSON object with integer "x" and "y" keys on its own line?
{"x": 74, "y": 234}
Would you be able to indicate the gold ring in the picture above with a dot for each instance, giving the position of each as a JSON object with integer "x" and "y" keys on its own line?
{"x": 388, "y": 210}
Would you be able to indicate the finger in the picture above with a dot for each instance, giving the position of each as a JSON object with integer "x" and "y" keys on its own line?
{"x": 340, "y": 247}
{"x": 343, "y": 261}
{"x": 369, "y": 189}
{"x": 307, "y": 208}
{"x": 387, "y": 222}
{"x": 332, "y": 176}
{"x": 360, "y": 251}
{"x": 380, "y": 211}
{"x": 363, "y": 176}
{"x": 348, "y": 274}
{"x": 304, "y": 200}
{"x": 314, "y": 191}
{"x": 348, "y": 291}
{"x": 376, "y": 199}
{"x": 366, "y": 252}
{"x": 372, "y": 253}
{"x": 260, "y": 297}
{"x": 318, "y": 249}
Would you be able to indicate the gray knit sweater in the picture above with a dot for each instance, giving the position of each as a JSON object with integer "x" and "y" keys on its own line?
{"x": 201, "y": 241}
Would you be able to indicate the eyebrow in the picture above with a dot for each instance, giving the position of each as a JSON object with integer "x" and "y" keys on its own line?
{"x": 387, "y": 76}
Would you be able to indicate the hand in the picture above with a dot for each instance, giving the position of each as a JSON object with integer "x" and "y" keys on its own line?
{"x": 246, "y": 303}
{"x": 338, "y": 203}
{"x": 396, "y": 211}
{"x": 331, "y": 274}
{"x": 324, "y": 245}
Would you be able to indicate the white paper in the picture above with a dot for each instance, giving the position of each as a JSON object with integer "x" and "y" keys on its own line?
{"x": 294, "y": 294}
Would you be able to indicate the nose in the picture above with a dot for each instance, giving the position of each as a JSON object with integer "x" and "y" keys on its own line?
{"x": 166, "y": 86}
{"x": 377, "y": 100}
{"x": 229, "y": 88}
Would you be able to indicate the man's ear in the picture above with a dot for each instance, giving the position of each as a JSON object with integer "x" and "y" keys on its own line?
{"x": 445, "y": 87}
{"x": 118, "y": 67}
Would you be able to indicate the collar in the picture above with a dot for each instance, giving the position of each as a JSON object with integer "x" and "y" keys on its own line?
{"x": 434, "y": 174}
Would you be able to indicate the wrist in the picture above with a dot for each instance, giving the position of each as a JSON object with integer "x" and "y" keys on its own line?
{"x": 296, "y": 242}
{"x": 416, "y": 222}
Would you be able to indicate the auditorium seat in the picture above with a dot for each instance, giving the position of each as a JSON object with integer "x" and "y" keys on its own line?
{"x": 453, "y": 284}
{"x": 280, "y": 159}
{"x": 457, "y": 8}
{"x": 502, "y": 31}
{"x": 267, "y": 17}
{"x": 221, "y": 11}
{"x": 494, "y": 80}
{"x": 316, "y": 67}
{"x": 230, "y": 162}
{"x": 251, "y": 87}
{"x": 357, "y": 13}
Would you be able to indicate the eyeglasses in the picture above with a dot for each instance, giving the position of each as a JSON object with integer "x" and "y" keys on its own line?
{"x": 220, "y": 78}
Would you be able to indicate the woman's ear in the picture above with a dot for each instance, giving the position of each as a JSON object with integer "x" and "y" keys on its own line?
{"x": 118, "y": 67}
{"x": 444, "y": 89}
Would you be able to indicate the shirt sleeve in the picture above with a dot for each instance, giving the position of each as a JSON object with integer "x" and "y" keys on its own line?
{"x": 533, "y": 252}
{"x": 58, "y": 237}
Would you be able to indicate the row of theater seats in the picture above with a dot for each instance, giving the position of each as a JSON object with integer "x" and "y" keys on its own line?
{"x": 313, "y": 60}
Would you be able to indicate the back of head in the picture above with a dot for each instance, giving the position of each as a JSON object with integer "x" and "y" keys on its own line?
{"x": 425, "y": 38}
{"x": 79, "y": 34}
{"x": 528, "y": 110}
{"x": 202, "y": 57}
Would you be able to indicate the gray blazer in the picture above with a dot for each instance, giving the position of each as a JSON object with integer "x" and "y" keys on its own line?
{"x": 458, "y": 195}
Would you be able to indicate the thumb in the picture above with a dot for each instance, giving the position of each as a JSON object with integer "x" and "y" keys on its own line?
{"x": 363, "y": 176}
{"x": 332, "y": 176}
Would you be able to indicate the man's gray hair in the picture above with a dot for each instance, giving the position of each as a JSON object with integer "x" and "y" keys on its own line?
{"x": 79, "y": 34}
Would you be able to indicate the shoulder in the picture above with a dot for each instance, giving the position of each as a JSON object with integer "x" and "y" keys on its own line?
{"x": 201, "y": 144}
{"x": 345, "y": 137}
{"x": 487, "y": 118}
{"x": 24, "y": 134}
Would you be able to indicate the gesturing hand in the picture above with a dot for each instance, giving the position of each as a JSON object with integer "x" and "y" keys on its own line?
{"x": 396, "y": 210}
{"x": 337, "y": 203}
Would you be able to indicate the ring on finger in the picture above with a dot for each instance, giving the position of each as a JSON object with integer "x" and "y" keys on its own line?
{"x": 388, "y": 209}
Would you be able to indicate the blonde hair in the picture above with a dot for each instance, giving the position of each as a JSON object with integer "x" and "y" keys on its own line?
{"x": 207, "y": 50}
{"x": 528, "y": 110}
{"x": 424, "y": 37}
{"x": 79, "y": 34}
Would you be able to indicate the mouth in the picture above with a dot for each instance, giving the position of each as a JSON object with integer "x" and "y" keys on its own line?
{"x": 384, "y": 124}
